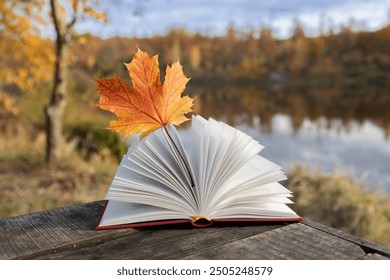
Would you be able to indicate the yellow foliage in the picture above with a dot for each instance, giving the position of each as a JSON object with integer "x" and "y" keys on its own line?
{"x": 28, "y": 59}
{"x": 8, "y": 105}
{"x": 91, "y": 12}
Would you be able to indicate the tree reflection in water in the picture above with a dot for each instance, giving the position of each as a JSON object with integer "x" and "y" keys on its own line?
{"x": 324, "y": 128}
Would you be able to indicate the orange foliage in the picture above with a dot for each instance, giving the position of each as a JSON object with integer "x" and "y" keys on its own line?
{"x": 149, "y": 104}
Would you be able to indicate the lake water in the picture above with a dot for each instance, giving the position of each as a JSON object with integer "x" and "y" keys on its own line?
{"x": 362, "y": 151}
{"x": 321, "y": 130}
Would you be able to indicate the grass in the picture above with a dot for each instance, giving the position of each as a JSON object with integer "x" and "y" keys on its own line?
{"x": 340, "y": 202}
{"x": 84, "y": 174}
{"x": 27, "y": 185}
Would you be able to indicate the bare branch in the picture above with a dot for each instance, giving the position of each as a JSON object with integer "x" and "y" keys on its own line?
{"x": 70, "y": 24}
{"x": 55, "y": 19}
{"x": 75, "y": 7}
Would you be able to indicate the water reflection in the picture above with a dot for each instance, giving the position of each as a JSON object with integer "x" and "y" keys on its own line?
{"x": 361, "y": 150}
{"x": 345, "y": 105}
{"x": 329, "y": 128}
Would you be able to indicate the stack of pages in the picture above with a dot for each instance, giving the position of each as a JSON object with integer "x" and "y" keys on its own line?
{"x": 216, "y": 177}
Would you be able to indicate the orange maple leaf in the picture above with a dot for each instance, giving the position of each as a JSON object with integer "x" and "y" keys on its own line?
{"x": 149, "y": 104}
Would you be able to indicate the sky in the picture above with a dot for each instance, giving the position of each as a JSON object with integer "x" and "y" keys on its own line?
{"x": 212, "y": 17}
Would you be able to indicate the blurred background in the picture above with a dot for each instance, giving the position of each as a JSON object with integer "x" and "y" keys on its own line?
{"x": 310, "y": 80}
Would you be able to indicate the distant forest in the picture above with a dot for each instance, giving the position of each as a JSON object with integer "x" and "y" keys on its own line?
{"x": 347, "y": 57}
{"x": 343, "y": 75}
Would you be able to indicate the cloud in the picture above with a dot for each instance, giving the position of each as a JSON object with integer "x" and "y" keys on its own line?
{"x": 214, "y": 17}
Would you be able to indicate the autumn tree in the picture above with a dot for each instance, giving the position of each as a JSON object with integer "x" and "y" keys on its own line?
{"x": 298, "y": 51}
{"x": 64, "y": 15}
{"x": 268, "y": 46}
{"x": 27, "y": 58}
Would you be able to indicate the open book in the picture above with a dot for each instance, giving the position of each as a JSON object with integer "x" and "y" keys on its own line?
{"x": 217, "y": 176}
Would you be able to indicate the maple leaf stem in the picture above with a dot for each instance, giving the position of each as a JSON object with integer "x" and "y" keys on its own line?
{"x": 181, "y": 156}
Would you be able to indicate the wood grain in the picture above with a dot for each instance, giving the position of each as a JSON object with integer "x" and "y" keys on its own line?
{"x": 68, "y": 233}
{"x": 367, "y": 246}
{"x": 50, "y": 231}
{"x": 296, "y": 241}
{"x": 374, "y": 257}
{"x": 163, "y": 243}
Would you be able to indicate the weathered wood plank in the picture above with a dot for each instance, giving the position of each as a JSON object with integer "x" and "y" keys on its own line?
{"x": 367, "y": 246}
{"x": 68, "y": 233}
{"x": 296, "y": 241}
{"x": 163, "y": 243}
{"x": 58, "y": 229}
{"x": 373, "y": 257}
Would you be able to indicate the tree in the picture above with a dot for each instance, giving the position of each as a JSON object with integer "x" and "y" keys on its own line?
{"x": 299, "y": 50}
{"x": 268, "y": 46}
{"x": 26, "y": 56}
{"x": 64, "y": 16}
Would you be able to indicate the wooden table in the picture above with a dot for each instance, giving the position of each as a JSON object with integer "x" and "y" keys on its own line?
{"x": 68, "y": 233}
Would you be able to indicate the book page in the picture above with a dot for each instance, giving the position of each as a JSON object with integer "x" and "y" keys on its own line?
{"x": 183, "y": 160}
{"x": 234, "y": 150}
{"x": 267, "y": 210}
{"x": 146, "y": 166}
{"x": 169, "y": 161}
{"x": 132, "y": 186}
{"x": 117, "y": 213}
{"x": 258, "y": 171}
{"x": 218, "y": 152}
{"x": 223, "y": 137}
{"x": 240, "y": 152}
{"x": 198, "y": 128}
{"x": 149, "y": 174}
{"x": 254, "y": 184}
{"x": 270, "y": 193}
{"x": 214, "y": 144}
{"x": 179, "y": 144}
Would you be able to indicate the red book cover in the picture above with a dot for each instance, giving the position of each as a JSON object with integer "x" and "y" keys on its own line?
{"x": 203, "y": 223}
